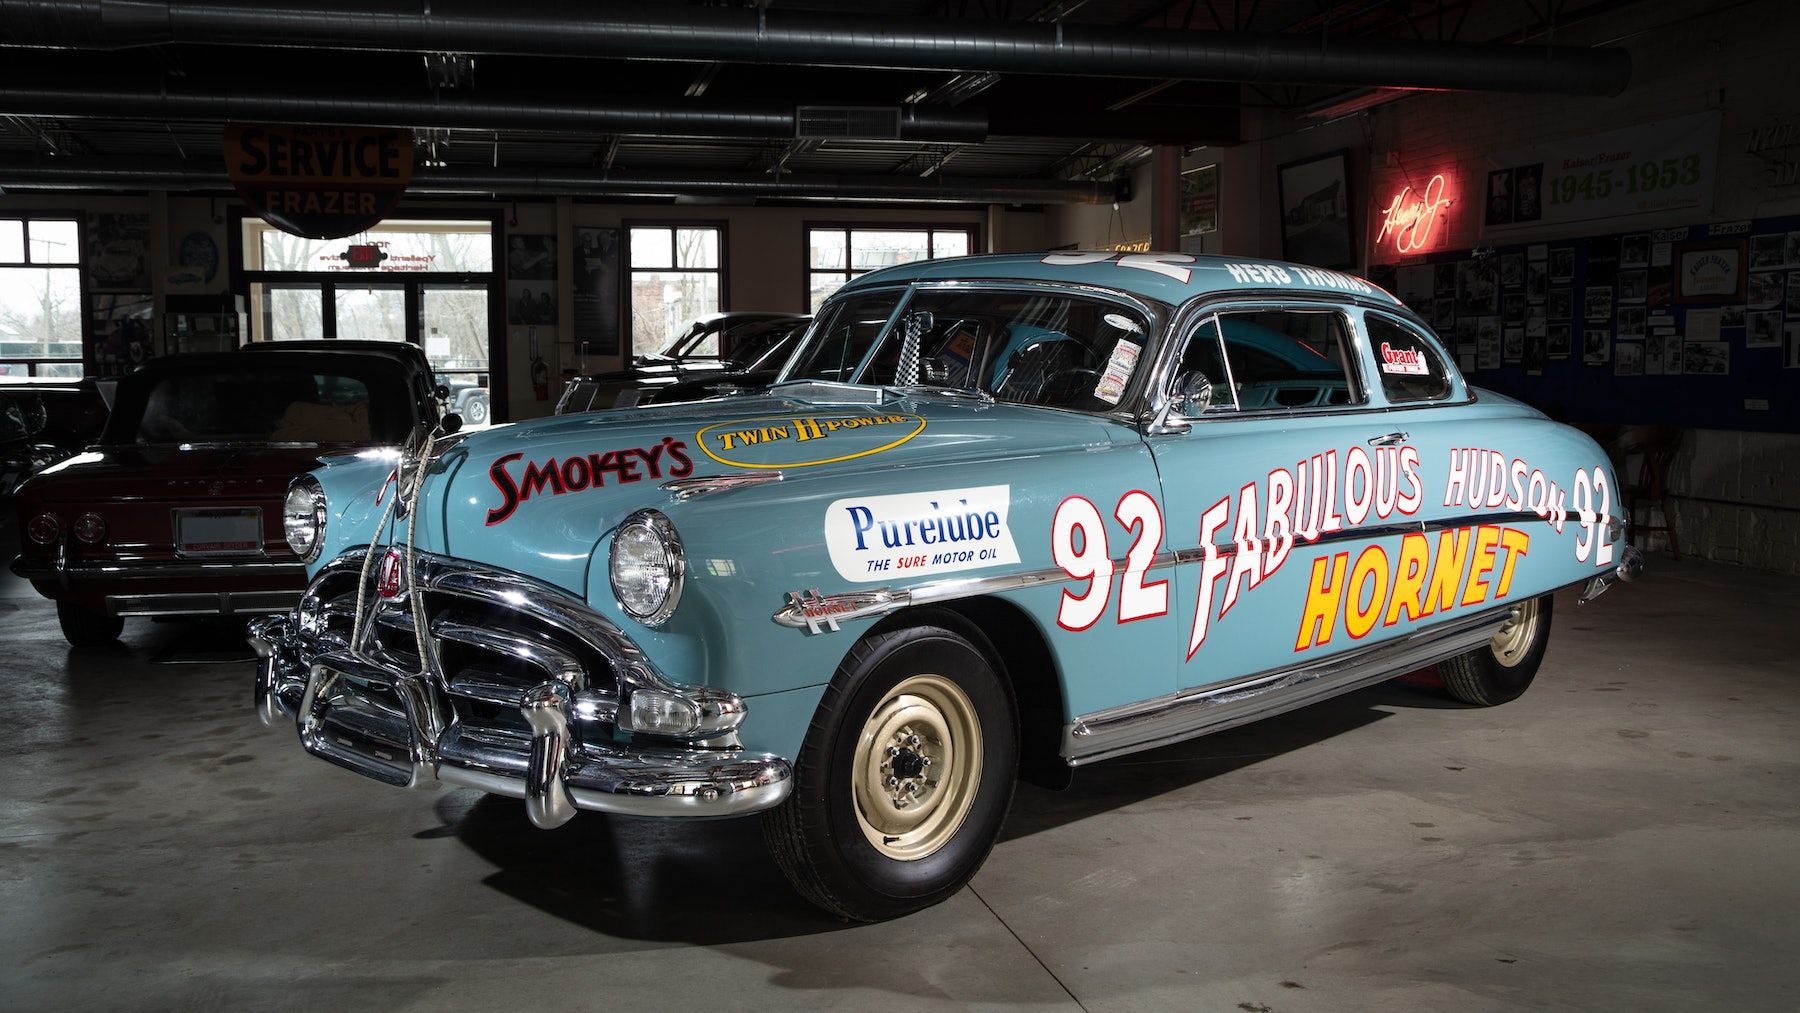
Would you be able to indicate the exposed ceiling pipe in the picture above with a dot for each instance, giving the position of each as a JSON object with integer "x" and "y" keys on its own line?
{"x": 140, "y": 174}
{"x": 759, "y": 35}
{"x": 170, "y": 99}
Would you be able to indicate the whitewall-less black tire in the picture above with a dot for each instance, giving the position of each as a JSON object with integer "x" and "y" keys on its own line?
{"x": 1501, "y": 669}
{"x": 905, "y": 776}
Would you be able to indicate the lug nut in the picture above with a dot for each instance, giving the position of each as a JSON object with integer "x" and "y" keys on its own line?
{"x": 893, "y": 782}
{"x": 912, "y": 740}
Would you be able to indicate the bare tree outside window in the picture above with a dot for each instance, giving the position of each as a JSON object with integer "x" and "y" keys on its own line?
{"x": 40, "y": 305}
{"x": 676, "y": 276}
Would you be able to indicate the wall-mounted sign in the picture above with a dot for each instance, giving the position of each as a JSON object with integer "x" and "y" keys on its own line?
{"x": 1774, "y": 145}
{"x": 319, "y": 182}
{"x": 1411, "y": 221}
{"x": 1200, "y": 200}
{"x": 1652, "y": 169}
{"x": 364, "y": 255}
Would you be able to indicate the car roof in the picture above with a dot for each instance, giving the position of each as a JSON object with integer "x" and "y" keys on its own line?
{"x": 1172, "y": 278}
{"x": 402, "y": 350}
{"x": 303, "y": 356}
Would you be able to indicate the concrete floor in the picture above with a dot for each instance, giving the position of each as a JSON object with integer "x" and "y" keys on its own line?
{"x": 1627, "y": 836}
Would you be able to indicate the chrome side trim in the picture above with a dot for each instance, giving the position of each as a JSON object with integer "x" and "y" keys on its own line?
{"x": 684, "y": 489}
{"x": 816, "y": 613}
{"x": 1115, "y": 732}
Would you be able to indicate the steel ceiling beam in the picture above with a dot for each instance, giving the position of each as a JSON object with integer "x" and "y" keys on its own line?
{"x": 143, "y": 174}
{"x": 808, "y": 38}
{"x": 170, "y": 99}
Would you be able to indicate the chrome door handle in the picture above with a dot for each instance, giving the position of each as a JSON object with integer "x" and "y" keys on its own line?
{"x": 1388, "y": 440}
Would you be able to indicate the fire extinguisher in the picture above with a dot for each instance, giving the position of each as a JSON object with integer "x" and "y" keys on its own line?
{"x": 540, "y": 371}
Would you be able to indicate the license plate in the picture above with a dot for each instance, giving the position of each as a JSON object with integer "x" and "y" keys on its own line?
{"x": 225, "y": 532}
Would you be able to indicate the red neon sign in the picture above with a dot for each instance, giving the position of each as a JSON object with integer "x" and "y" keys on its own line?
{"x": 1411, "y": 218}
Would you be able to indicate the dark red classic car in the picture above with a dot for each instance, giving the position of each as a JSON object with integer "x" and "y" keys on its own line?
{"x": 178, "y": 510}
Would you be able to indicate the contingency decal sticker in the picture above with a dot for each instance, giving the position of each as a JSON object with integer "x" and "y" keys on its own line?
{"x": 802, "y": 441}
{"x": 1404, "y": 361}
{"x": 1119, "y": 367}
{"x": 916, "y": 534}
{"x": 584, "y": 471}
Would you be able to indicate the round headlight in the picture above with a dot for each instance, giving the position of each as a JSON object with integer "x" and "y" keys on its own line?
{"x": 647, "y": 567}
{"x": 44, "y": 529}
{"x": 90, "y": 529}
{"x": 303, "y": 518}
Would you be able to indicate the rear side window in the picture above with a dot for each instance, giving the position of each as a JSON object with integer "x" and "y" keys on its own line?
{"x": 1288, "y": 360}
{"x": 1410, "y": 368}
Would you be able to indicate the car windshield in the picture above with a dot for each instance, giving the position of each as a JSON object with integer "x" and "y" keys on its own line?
{"x": 1028, "y": 347}
{"x": 22, "y": 415}
{"x": 699, "y": 341}
{"x": 753, "y": 344}
{"x": 252, "y": 404}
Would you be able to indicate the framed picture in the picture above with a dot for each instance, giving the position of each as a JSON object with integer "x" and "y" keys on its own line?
{"x": 1200, "y": 200}
{"x": 1710, "y": 272}
{"x": 1316, "y": 227}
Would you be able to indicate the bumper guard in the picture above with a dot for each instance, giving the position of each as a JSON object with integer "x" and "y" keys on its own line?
{"x": 370, "y": 716}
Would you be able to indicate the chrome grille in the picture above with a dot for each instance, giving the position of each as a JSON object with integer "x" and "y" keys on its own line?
{"x": 487, "y": 651}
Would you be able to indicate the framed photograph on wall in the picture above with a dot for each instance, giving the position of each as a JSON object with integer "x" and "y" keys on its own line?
{"x": 1710, "y": 272}
{"x": 1316, "y": 226}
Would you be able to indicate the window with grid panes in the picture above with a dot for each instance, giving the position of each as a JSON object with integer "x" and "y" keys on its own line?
{"x": 835, "y": 254}
{"x": 40, "y": 297}
{"x": 677, "y": 275}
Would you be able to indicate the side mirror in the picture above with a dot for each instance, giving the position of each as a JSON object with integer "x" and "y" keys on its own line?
{"x": 1192, "y": 395}
{"x": 441, "y": 392}
{"x": 450, "y": 424}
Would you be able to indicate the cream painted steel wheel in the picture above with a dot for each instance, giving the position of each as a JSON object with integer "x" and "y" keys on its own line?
{"x": 917, "y": 767}
{"x": 1516, "y": 638}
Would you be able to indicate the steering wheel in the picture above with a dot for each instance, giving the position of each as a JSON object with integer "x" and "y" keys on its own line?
{"x": 1073, "y": 380}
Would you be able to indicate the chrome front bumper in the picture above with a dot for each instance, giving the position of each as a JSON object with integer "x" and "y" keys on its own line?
{"x": 363, "y": 712}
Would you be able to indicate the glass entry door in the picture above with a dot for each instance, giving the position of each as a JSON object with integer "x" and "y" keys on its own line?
{"x": 453, "y": 327}
{"x": 370, "y": 312}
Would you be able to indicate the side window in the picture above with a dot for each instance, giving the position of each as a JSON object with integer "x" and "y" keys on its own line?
{"x": 1410, "y": 367}
{"x": 1205, "y": 354}
{"x": 1289, "y": 360}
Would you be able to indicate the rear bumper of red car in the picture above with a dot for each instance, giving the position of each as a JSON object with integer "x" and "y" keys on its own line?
{"x": 170, "y": 588}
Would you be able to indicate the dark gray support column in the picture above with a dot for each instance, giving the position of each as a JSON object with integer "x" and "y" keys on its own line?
{"x": 1165, "y": 198}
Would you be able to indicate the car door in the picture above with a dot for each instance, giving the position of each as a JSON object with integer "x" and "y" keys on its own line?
{"x": 1272, "y": 486}
{"x": 1487, "y": 497}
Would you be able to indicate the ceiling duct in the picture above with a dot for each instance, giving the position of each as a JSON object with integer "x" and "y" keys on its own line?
{"x": 173, "y": 100}
{"x": 142, "y": 174}
{"x": 846, "y": 122}
{"x": 730, "y": 34}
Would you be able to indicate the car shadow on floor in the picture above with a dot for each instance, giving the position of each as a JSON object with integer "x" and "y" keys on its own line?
{"x": 713, "y": 882}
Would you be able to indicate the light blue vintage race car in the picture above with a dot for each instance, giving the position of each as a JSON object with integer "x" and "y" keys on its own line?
{"x": 1002, "y": 516}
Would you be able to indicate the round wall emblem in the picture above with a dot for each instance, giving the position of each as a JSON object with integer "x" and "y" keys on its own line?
{"x": 390, "y": 580}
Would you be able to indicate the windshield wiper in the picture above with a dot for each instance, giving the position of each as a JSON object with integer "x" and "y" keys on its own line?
{"x": 971, "y": 393}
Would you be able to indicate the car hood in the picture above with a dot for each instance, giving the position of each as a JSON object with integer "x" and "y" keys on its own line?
{"x": 540, "y": 496}
{"x": 169, "y": 473}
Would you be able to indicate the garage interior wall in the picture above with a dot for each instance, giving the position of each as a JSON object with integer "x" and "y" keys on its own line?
{"x": 1735, "y": 495}
{"x": 765, "y": 253}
